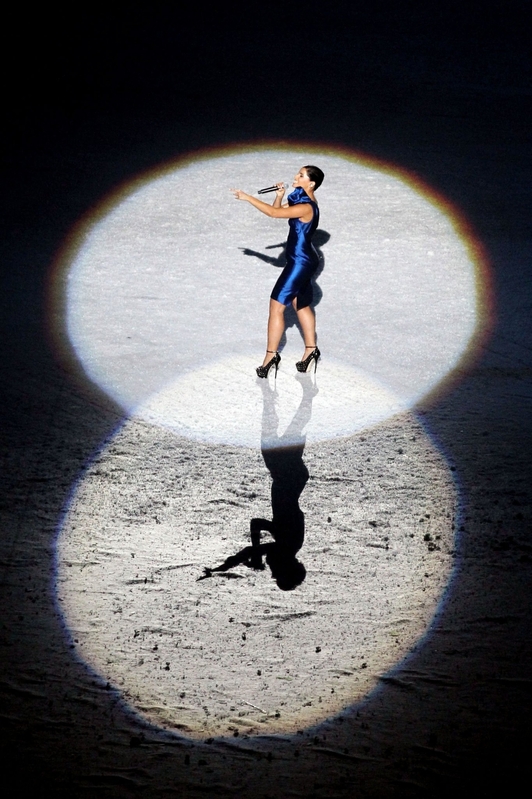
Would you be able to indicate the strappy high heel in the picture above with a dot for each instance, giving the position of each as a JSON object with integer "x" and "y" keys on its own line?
{"x": 302, "y": 366}
{"x": 262, "y": 371}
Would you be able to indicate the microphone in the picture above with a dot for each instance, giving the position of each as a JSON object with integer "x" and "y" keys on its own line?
{"x": 271, "y": 188}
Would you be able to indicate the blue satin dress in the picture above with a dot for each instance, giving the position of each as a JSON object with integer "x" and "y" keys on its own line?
{"x": 301, "y": 257}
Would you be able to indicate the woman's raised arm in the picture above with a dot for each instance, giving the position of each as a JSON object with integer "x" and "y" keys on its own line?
{"x": 301, "y": 211}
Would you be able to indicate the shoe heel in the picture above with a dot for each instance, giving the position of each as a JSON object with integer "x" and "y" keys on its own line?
{"x": 317, "y": 355}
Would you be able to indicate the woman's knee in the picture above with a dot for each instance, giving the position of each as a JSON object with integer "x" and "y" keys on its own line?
{"x": 276, "y": 308}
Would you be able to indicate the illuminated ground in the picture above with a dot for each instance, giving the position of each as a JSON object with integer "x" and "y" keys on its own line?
{"x": 201, "y": 656}
{"x": 401, "y": 301}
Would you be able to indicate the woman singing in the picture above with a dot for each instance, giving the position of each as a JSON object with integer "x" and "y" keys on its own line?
{"x": 293, "y": 285}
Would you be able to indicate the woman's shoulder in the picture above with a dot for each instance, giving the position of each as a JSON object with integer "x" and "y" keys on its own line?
{"x": 299, "y": 196}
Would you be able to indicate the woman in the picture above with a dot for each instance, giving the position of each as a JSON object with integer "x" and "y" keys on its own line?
{"x": 293, "y": 285}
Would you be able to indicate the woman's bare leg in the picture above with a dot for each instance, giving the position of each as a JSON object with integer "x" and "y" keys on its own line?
{"x": 275, "y": 329}
{"x": 307, "y": 320}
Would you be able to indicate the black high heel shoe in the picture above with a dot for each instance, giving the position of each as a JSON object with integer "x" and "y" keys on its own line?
{"x": 302, "y": 366}
{"x": 262, "y": 371}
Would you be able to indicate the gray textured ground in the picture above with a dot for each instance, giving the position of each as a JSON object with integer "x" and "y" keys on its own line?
{"x": 202, "y": 656}
{"x": 449, "y": 99}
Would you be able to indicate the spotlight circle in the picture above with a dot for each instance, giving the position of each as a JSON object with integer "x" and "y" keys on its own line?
{"x": 162, "y": 281}
{"x": 233, "y": 652}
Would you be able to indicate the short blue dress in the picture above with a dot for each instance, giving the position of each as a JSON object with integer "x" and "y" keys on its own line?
{"x": 301, "y": 257}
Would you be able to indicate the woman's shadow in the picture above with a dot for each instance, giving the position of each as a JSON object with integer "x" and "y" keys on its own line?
{"x": 283, "y": 455}
{"x": 320, "y": 238}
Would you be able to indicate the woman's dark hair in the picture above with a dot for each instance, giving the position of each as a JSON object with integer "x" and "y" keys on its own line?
{"x": 315, "y": 174}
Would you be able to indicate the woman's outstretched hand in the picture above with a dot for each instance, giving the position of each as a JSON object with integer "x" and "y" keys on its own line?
{"x": 239, "y": 194}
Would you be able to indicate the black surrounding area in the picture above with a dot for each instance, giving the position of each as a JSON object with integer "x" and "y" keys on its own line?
{"x": 90, "y": 99}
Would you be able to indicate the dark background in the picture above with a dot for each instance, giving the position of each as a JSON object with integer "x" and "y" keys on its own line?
{"x": 90, "y": 98}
